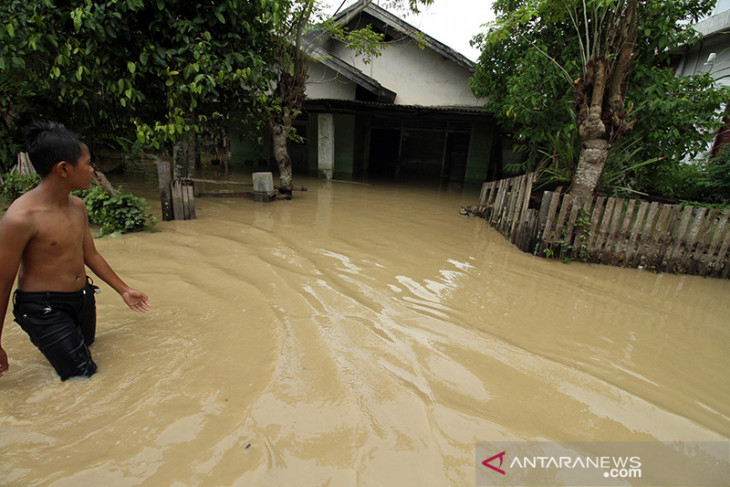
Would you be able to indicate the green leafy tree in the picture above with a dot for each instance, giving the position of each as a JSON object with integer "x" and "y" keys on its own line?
{"x": 149, "y": 72}
{"x": 598, "y": 68}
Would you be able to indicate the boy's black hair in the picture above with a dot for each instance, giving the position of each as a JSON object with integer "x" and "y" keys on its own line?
{"x": 49, "y": 143}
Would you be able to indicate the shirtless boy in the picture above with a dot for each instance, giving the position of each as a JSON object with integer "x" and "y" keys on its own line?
{"x": 45, "y": 240}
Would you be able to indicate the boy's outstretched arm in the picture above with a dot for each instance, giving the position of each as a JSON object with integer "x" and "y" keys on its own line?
{"x": 136, "y": 300}
{"x": 15, "y": 232}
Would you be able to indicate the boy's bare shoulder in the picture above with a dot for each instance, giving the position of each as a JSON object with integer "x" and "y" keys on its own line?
{"x": 75, "y": 200}
{"x": 22, "y": 206}
{"x": 18, "y": 216}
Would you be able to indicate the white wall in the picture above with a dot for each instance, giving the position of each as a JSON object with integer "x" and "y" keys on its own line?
{"x": 418, "y": 76}
{"x": 324, "y": 82}
{"x": 695, "y": 59}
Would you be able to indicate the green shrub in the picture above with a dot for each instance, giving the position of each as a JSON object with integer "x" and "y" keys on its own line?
{"x": 717, "y": 187}
{"x": 15, "y": 184}
{"x": 123, "y": 213}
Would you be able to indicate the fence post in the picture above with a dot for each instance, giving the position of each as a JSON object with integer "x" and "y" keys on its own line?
{"x": 164, "y": 178}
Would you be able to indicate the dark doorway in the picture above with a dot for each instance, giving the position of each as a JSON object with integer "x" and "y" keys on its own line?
{"x": 384, "y": 149}
{"x": 299, "y": 151}
{"x": 457, "y": 152}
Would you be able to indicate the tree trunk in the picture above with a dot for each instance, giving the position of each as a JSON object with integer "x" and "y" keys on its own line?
{"x": 290, "y": 92}
{"x": 601, "y": 101}
{"x": 279, "y": 136}
{"x": 592, "y": 129}
{"x": 183, "y": 155}
{"x": 591, "y": 163}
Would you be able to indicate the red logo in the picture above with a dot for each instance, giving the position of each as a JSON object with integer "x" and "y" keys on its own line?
{"x": 501, "y": 459}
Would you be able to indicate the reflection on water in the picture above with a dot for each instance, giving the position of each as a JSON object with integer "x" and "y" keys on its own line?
{"x": 359, "y": 335}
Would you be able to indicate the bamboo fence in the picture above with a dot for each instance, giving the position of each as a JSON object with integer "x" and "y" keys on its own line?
{"x": 613, "y": 231}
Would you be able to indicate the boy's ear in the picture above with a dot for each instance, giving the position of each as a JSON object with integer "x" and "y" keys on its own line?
{"x": 62, "y": 169}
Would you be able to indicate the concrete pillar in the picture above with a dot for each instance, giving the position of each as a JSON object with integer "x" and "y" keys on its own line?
{"x": 326, "y": 145}
{"x": 263, "y": 186}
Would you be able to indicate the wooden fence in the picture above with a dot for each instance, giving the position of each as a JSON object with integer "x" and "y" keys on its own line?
{"x": 627, "y": 233}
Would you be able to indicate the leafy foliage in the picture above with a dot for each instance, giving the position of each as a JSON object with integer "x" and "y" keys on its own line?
{"x": 132, "y": 72}
{"x": 16, "y": 184}
{"x": 532, "y": 57}
{"x": 121, "y": 213}
{"x": 705, "y": 181}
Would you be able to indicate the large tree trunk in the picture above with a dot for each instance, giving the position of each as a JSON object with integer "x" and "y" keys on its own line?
{"x": 601, "y": 99}
{"x": 290, "y": 92}
{"x": 592, "y": 161}
{"x": 279, "y": 135}
{"x": 592, "y": 129}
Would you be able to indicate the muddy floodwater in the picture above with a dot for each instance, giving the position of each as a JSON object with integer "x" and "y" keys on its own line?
{"x": 359, "y": 335}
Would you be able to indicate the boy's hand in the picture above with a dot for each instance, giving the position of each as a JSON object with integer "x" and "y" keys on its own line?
{"x": 136, "y": 300}
{"x": 3, "y": 362}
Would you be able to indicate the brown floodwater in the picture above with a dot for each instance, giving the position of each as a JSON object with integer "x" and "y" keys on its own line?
{"x": 359, "y": 335}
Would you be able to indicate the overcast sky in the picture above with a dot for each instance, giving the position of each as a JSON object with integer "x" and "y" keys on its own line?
{"x": 453, "y": 22}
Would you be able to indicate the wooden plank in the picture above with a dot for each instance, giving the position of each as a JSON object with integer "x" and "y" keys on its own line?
{"x": 547, "y": 235}
{"x": 218, "y": 181}
{"x": 491, "y": 196}
{"x": 719, "y": 231}
{"x": 564, "y": 210}
{"x": 681, "y": 236}
{"x": 623, "y": 238}
{"x": 655, "y": 254}
{"x": 704, "y": 240}
{"x": 522, "y": 204}
{"x": 528, "y": 196}
{"x": 668, "y": 237}
{"x": 570, "y": 224}
{"x": 595, "y": 221}
{"x": 499, "y": 201}
{"x": 633, "y": 244}
{"x": 722, "y": 254}
{"x": 191, "y": 200}
{"x": 185, "y": 200}
{"x": 547, "y": 197}
{"x": 597, "y": 249}
{"x": 646, "y": 234}
{"x": 694, "y": 230}
{"x": 610, "y": 245}
{"x": 582, "y": 233}
{"x": 515, "y": 206}
{"x": 514, "y": 195}
{"x": 177, "y": 207}
{"x": 164, "y": 179}
{"x": 527, "y": 230}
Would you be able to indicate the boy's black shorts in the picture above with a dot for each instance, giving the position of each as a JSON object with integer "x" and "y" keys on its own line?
{"x": 62, "y": 326}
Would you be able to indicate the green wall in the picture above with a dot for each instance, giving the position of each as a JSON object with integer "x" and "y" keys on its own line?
{"x": 344, "y": 146}
{"x": 480, "y": 150}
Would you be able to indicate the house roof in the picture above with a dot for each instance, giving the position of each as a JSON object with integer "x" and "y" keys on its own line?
{"x": 404, "y": 27}
{"x": 717, "y": 24}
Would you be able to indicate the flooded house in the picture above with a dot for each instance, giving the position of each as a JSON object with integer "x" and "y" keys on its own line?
{"x": 407, "y": 114}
